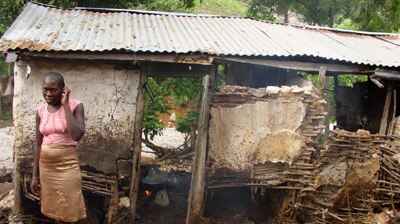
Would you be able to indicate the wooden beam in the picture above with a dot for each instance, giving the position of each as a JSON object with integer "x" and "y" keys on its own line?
{"x": 387, "y": 74}
{"x": 131, "y": 57}
{"x": 137, "y": 144}
{"x": 385, "y": 113}
{"x": 196, "y": 196}
{"x": 299, "y": 66}
{"x": 176, "y": 70}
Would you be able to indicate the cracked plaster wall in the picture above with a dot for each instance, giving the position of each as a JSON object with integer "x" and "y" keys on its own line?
{"x": 255, "y": 133}
{"x": 109, "y": 98}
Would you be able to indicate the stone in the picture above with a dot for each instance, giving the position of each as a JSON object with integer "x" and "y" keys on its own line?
{"x": 162, "y": 198}
{"x": 297, "y": 90}
{"x": 172, "y": 117}
{"x": 286, "y": 89}
{"x": 273, "y": 90}
{"x": 258, "y": 92}
{"x": 124, "y": 202}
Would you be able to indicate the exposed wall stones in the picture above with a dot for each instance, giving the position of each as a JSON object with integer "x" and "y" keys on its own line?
{"x": 108, "y": 95}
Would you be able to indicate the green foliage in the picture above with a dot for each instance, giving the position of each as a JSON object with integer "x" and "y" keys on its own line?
{"x": 164, "y": 5}
{"x": 349, "y": 80}
{"x": 9, "y": 10}
{"x": 217, "y": 7}
{"x": 184, "y": 124}
{"x": 221, "y": 77}
{"x": 316, "y": 12}
{"x": 220, "y": 7}
{"x": 377, "y": 15}
{"x": 268, "y": 9}
{"x": 347, "y": 24}
{"x": 185, "y": 91}
{"x": 154, "y": 105}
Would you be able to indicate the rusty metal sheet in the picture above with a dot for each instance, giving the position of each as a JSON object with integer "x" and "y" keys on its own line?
{"x": 44, "y": 28}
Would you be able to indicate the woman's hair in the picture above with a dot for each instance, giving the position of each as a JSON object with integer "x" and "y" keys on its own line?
{"x": 56, "y": 77}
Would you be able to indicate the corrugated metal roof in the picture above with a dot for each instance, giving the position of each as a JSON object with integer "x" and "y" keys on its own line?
{"x": 43, "y": 28}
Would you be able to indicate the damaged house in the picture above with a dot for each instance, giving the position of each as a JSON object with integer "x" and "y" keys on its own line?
{"x": 262, "y": 132}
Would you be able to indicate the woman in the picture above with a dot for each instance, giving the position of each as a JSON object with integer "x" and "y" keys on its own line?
{"x": 56, "y": 174}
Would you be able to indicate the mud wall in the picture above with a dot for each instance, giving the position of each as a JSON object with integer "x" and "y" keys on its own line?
{"x": 108, "y": 94}
{"x": 256, "y": 126}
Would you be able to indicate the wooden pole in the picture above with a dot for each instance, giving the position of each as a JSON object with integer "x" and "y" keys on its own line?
{"x": 391, "y": 126}
{"x": 323, "y": 81}
{"x": 327, "y": 107}
{"x": 20, "y": 71}
{"x": 321, "y": 78}
{"x": 385, "y": 113}
{"x": 196, "y": 196}
{"x": 137, "y": 143}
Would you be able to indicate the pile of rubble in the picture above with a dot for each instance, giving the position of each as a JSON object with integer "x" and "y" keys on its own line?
{"x": 355, "y": 176}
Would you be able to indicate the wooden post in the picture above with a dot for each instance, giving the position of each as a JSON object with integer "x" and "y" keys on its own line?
{"x": 391, "y": 126}
{"x": 321, "y": 78}
{"x": 20, "y": 71}
{"x": 327, "y": 106}
{"x": 196, "y": 196}
{"x": 324, "y": 81}
{"x": 113, "y": 207}
{"x": 385, "y": 113}
{"x": 137, "y": 143}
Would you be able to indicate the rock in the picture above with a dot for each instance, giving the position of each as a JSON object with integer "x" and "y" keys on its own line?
{"x": 172, "y": 117}
{"x": 381, "y": 218}
{"x": 124, "y": 202}
{"x": 286, "y": 89}
{"x": 8, "y": 201}
{"x": 162, "y": 198}
{"x": 297, "y": 89}
{"x": 258, "y": 92}
{"x": 273, "y": 90}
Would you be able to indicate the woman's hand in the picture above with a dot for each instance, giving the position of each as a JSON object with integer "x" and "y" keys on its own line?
{"x": 65, "y": 96}
{"x": 35, "y": 186}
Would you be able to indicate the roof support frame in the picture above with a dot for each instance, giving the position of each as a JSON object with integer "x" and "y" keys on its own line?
{"x": 312, "y": 67}
{"x": 132, "y": 57}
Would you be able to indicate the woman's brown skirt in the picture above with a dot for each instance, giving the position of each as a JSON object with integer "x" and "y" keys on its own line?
{"x": 60, "y": 179}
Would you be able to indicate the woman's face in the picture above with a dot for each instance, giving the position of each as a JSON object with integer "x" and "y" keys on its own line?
{"x": 52, "y": 91}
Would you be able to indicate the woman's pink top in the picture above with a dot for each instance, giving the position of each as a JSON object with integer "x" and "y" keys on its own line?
{"x": 53, "y": 126}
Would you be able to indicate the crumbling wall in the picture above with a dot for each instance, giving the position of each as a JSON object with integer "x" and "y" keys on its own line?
{"x": 256, "y": 126}
{"x": 109, "y": 98}
{"x": 356, "y": 175}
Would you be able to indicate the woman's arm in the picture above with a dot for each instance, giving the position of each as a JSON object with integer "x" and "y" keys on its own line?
{"x": 75, "y": 120}
{"x": 36, "y": 156}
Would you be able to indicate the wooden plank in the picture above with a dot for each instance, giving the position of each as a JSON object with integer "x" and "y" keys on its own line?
{"x": 137, "y": 144}
{"x": 385, "y": 113}
{"x": 196, "y": 196}
{"x": 299, "y": 66}
{"x": 131, "y": 57}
